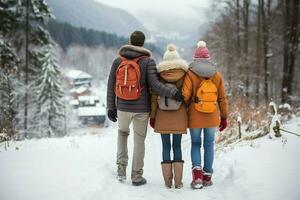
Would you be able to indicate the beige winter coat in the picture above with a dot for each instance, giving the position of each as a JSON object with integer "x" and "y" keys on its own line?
{"x": 174, "y": 121}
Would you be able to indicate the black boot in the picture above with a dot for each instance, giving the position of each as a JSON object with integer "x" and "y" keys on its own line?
{"x": 141, "y": 182}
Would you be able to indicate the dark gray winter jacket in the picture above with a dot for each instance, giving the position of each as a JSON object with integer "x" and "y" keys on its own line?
{"x": 149, "y": 79}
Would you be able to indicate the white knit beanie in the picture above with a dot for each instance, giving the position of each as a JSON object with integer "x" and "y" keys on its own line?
{"x": 171, "y": 53}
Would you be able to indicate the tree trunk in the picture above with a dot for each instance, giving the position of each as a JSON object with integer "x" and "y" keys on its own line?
{"x": 258, "y": 52}
{"x": 10, "y": 107}
{"x": 238, "y": 42}
{"x": 294, "y": 44}
{"x": 265, "y": 26}
{"x": 26, "y": 70}
{"x": 246, "y": 38}
{"x": 291, "y": 42}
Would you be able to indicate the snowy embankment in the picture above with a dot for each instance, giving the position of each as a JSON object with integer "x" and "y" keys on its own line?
{"x": 83, "y": 167}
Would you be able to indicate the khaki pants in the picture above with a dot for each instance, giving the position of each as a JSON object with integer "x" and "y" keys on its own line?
{"x": 140, "y": 123}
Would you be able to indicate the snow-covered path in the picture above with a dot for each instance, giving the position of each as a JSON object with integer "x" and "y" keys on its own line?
{"x": 83, "y": 168}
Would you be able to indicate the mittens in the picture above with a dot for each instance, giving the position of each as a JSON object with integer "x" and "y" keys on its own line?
{"x": 152, "y": 122}
{"x": 223, "y": 124}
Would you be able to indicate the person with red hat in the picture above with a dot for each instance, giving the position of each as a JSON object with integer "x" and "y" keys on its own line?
{"x": 204, "y": 92}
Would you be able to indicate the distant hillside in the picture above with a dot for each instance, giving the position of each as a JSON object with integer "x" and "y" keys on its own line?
{"x": 65, "y": 35}
{"x": 90, "y": 14}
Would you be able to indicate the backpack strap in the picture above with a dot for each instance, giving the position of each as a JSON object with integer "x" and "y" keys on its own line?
{"x": 139, "y": 58}
{"x": 135, "y": 59}
{"x": 123, "y": 58}
{"x": 212, "y": 77}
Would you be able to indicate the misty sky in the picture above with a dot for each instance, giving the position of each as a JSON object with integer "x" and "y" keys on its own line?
{"x": 168, "y": 17}
{"x": 136, "y": 7}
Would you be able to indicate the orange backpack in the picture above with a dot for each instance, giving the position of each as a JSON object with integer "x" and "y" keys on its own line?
{"x": 206, "y": 97}
{"x": 128, "y": 76}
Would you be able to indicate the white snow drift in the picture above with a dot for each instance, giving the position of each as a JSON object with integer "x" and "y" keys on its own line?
{"x": 83, "y": 168}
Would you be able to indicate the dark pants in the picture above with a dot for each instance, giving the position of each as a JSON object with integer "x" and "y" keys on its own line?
{"x": 166, "y": 147}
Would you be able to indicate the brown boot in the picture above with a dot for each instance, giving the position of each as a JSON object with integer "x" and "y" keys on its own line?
{"x": 178, "y": 168}
{"x": 166, "y": 168}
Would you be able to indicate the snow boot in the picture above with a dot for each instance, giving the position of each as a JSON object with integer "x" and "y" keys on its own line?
{"x": 121, "y": 173}
{"x": 197, "y": 182}
{"x": 141, "y": 182}
{"x": 178, "y": 168}
{"x": 166, "y": 168}
{"x": 207, "y": 179}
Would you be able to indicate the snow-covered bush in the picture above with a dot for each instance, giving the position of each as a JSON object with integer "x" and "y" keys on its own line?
{"x": 254, "y": 120}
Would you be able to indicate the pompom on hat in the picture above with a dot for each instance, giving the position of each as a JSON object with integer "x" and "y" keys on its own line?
{"x": 171, "y": 53}
{"x": 201, "y": 51}
{"x": 172, "y": 60}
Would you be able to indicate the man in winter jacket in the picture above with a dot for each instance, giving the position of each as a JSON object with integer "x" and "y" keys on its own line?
{"x": 136, "y": 111}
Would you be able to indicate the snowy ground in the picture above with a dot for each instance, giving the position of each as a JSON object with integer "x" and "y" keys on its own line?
{"x": 83, "y": 167}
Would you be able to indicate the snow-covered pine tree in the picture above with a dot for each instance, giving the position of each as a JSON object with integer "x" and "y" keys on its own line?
{"x": 22, "y": 33}
{"x": 9, "y": 62}
{"x": 49, "y": 95}
{"x": 33, "y": 15}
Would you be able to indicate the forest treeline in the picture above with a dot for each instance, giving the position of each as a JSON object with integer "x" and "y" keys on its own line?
{"x": 257, "y": 44}
{"x": 66, "y": 35}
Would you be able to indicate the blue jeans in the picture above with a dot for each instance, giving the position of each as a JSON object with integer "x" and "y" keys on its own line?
{"x": 209, "y": 140}
{"x": 166, "y": 147}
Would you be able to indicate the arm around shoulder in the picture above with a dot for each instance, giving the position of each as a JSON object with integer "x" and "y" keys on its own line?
{"x": 187, "y": 87}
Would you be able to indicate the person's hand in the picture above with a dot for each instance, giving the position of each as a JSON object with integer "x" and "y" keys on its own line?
{"x": 112, "y": 115}
{"x": 152, "y": 122}
{"x": 223, "y": 124}
{"x": 178, "y": 96}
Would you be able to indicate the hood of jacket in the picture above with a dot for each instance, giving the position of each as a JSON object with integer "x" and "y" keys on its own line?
{"x": 203, "y": 67}
{"x": 172, "y": 75}
{"x": 166, "y": 65}
{"x": 130, "y": 51}
{"x": 172, "y": 70}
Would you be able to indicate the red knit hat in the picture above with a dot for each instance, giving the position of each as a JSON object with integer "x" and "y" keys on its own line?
{"x": 201, "y": 51}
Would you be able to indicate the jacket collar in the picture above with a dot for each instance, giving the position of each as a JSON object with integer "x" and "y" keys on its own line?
{"x": 131, "y": 51}
{"x": 203, "y": 67}
{"x": 172, "y": 64}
